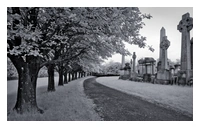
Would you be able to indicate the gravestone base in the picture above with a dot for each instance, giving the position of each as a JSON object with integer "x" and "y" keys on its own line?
{"x": 162, "y": 81}
{"x": 181, "y": 81}
{"x": 121, "y": 72}
{"x": 146, "y": 78}
{"x": 182, "y": 77}
{"x": 163, "y": 77}
{"x": 124, "y": 75}
{"x": 133, "y": 76}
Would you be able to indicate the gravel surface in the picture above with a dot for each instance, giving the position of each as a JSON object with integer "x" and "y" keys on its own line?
{"x": 114, "y": 105}
{"x": 174, "y": 96}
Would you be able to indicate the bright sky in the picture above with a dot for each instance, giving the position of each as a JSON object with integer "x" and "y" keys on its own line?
{"x": 167, "y": 17}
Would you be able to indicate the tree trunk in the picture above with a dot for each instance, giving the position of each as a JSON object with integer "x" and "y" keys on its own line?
{"x": 65, "y": 78}
{"x": 51, "y": 82}
{"x": 60, "y": 72}
{"x": 75, "y": 75}
{"x": 26, "y": 95}
{"x": 79, "y": 74}
{"x": 72, "y": 75}
{"x": 69, "y": 77}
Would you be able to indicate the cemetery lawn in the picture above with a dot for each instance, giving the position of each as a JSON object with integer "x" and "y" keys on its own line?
{"x": 67, "y": 103}
{"x": 115, "y": 105}
{"x": 179, "y": 98}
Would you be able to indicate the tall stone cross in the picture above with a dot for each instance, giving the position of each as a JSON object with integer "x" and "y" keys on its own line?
{"x": 134, "y": 57}
{"x": 184, "y": 26}
{"x": 164, "y": 45}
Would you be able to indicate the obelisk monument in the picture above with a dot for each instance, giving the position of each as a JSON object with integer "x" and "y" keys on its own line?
{"x": 163, "y": 71}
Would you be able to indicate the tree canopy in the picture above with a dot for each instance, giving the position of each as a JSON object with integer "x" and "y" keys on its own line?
{"x": 101, "y": 30}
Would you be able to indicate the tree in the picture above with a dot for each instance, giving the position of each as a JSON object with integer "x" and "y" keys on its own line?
{"x": 11, "y": 70}
{"x": 30, "y": 31}
{"x": 111, "y": 67}
{"x": 36, "y": 33}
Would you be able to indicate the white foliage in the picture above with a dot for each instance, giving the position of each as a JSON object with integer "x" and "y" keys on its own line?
{"x": 102, "y": 31}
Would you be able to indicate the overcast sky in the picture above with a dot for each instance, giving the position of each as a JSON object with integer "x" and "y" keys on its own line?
{"x": 167, "y": 17}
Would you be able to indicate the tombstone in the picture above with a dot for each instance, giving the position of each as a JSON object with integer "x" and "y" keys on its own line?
{"x": 171, "y": 74}
{"x": 127, "y": 72}
{"x": 184, "y": 26}
{"x": 146, "y": 65}
{"x": 133, "y": 71}
{"x": 163, "y": 74}
{"x": 176, "y": 70}
{"x": 131, "y": 63}
{"x": 191, "y": 49}
{"x": 162, "y": 34}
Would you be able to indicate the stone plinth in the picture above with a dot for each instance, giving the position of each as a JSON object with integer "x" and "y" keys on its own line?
{"x": 125, "y": 73}
{"x": 121, "y": 72}
{"x": 163, "y": 77}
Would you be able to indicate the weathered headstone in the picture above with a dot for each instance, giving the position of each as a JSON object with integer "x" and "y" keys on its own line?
{"x": 127, "y": 70}
{"x": 184, "y": 26}
{"x": 163, "y": 72}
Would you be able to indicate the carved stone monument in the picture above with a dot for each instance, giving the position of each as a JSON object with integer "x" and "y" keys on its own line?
{"x": 133, "y": 71}
{"x": 134, "y": 57}
{"x": 162, "y": 34}
{"x": 126, "y": 72}
{"x": 163, "y": 72}
{"x": 184, "y": 26}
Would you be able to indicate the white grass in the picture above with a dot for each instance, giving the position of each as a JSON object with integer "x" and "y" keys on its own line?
{"x": 67, "y": 103}
{"x": 176, "y": 97}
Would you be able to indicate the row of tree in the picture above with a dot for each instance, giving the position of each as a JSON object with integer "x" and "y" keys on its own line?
{"x": 72, "y": 39}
